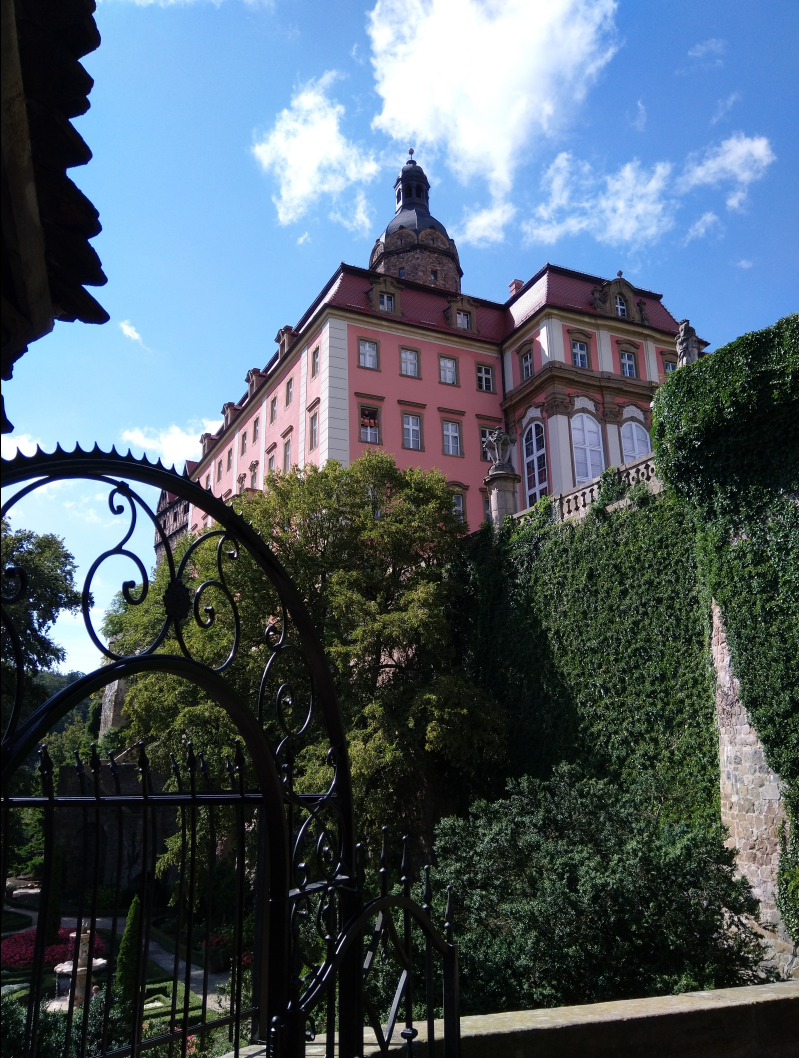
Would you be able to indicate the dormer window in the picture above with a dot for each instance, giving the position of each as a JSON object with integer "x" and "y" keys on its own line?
{"x": 464, "y": 320}
{"x": 621, "y": 306}
{"x": 387, "y": 302}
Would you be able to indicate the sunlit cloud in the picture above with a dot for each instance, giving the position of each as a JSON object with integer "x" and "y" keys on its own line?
{"x": 724, "y": 106}
{"x": 712, "y": 46}
{"x": 739, "y": 160}
{"x": 10, "y": 444}
{"x": 639, "y": 121}
{"x": 744, "y": 263}
{"x": 309, "y": 155}
{"x": 357, "y": 217}
{"x": 480, "y": 227}
{"x": 173, "y": 444}
{"x": 707, "y": 223}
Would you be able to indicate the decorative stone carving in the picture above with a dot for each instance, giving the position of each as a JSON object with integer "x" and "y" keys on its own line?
{"x": 497, "y": 446}
{"x": 584, "y": 402}
{"x": 642, "y": 315}
{"x": 631, "y": 411}
{"x": 599, "y": 299}
{"x": 529, "y": 415}
{"x": 688, "y": 347}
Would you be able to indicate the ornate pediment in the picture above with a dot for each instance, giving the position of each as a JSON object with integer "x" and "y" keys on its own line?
{"x": 604, "y": 299}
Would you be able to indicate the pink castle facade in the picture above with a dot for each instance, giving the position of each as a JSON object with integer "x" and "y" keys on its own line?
{"x": 395, "y": 358}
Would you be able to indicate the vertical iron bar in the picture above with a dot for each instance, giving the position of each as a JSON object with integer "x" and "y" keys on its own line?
{"x": 95, "y": 769}
{"x": 409, "y": 1033}
{"x": 79, "y": 919}
{"x": 191, "y": 762}
{"x": 140, "y": 977}
{"x": 37, "y": 970}
{"x": 235, "y": 968}
{"x": 330, "y": 940}
{"x": 114, "y": 770}
{"x": 209, "y": 899}
{"x": 240, "y": 876}
{"x": 452, "y": 1023}
{"x": 350, "y": 976}
{"x": 427, "y": 897}
{"x": 179, "y": 915}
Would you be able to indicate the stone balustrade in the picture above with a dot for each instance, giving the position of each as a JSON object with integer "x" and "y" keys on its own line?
{"x": 576, "y": 503}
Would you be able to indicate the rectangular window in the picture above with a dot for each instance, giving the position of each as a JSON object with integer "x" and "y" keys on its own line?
{"x": 272, "y": 464}
{"x": 434, "y": 275}
{"x": 387, "y": 302}
{"x": 402, "y": 273}
{"x": 579, "y": 354}
{"x": 219, "y": 470}
{"x": 486, "y": 509}
{"x": 230, "y": 458}
{"x": 273, "y": 410}
{"x": 315, "y": 362}
{"x": 484, "y": 432}
{"x": 287, "y": 456}
{"x": 409, "y": 363}
{"x": 208, "y": 481}
{"x": 464, "y": 320}
{"x": 447, "y": 371}
{"x": 452, "y": 438}
{"x": 254, "y": 478}
{"x": 367, "y": 355}
{"x": 370, "y": 426}
{"x": 459, "y": 506}
{"x": 244, "y": 442}
{"x": 628, "y": 365}
{"x": 412, "y": 432}
{"x": 314, "y": 431}
{"x": 289, "y": 391}
{"x": 527, "y": 365}
{"x": 485, "y": 378}
{"x": 669, "y": 366}
{"x": 256, "y": 429}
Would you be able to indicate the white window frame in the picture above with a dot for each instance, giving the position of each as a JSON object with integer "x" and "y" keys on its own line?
{"x": 272, "y": 463}
{"x": 669, "y": 366}
{"x": 627, "y": 360}
{"x": 273, "y": 409}
{"x": 463, "y": 320}
{"x": 366, "y": 350}
{"x": 313, "y": 432}
{"x": 452, "y": 437}
{"x": 287, "y": 455}
{"x": 411, "y": 430}
{"x": 230, "y": 458}
{"x": 315, "y": 362}
{"x": 386, "y": 302}
{"x": 635, "y": 441}
{"x": 414, "y": 354}
{"x": 256, "y": 427}
{"x": 536, "y": 469}
{"x": 579, "y": 352}
{"x": 447, "y": 360}
{"x": 485, "y": 373}
{"x": 289, "y": 391}
{"x": 621, "y": 307}
{"x": 459, "y": 505}
{"x": 369, "y": 430}
{"x": 243, "y": 441}
{"x": 527, "y": 365}
{"x": 219, "y": 470}
{"x": 484, "y": 432}
{"x": 594, "y": 454}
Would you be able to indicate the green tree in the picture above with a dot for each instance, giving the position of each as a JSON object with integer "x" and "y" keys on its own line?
{"x": 370, "y": 548}
{"x": 128, "y": 948}
{"x": 576, "y": 891}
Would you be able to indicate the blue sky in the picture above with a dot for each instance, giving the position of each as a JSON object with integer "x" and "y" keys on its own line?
{"x": 241, "y": 150}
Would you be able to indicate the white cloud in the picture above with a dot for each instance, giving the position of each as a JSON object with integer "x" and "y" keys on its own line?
{"x": 308, "y": 153}
{"x": 698, "y": 230}
{"x": 173, "y": 445}
{"x": 639, "y": 121}
{"x": 10, "y": 444}
{"x": 724, "y": 106}
{"x": 739, "y": 160}
{"x": 305, "y": 237}
{"x": 483, "y": 226}
{"x": 357, "y": 217}
{"x": 493, "y": 75}
{"x": 130, "y": 331}
{"x": 713, "y": 46}
{"x": 630, "y": 205}
{"x": 744, "y": 263}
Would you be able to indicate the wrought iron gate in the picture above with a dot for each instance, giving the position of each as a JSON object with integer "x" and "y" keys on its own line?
{"x": 302, "y": 941}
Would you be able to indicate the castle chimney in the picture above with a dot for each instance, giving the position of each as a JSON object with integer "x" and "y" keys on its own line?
{"x": 515, "y": 286}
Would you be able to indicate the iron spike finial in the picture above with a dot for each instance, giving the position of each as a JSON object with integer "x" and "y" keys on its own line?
{"x": 427, "y": 894}
{"x": 405, "y": 877}
{"x": 383, "y": 871}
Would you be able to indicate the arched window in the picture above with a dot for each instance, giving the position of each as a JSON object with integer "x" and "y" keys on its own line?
{"x": 634, "y": 441}
{"x": 587, "y": 445}
{"x": 399, "y": 196}
{"x": 418, "y": 190}
{"x": 621, "y": 306}
{"x": 535, "y": 463}
{"x": 408, "y": 190}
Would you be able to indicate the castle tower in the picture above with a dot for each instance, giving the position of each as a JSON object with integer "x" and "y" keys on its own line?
{"x": 415, "y": 245}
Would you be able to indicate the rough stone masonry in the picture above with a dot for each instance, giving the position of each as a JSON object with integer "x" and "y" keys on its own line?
{"x": 751, "y": 805}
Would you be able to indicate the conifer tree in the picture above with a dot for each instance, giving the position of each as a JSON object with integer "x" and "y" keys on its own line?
{"x": 126, "y": 959}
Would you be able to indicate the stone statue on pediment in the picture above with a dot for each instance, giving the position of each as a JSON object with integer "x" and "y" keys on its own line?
{"x": 497, "y": 446}
{"x": 688, "y": 348}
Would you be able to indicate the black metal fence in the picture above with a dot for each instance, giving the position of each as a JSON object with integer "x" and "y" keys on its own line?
{"x": 194, "y": 907}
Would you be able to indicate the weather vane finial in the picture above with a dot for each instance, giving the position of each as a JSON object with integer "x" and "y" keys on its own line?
{"x": 410, "y": 151}
{"x": 619, "y": 273}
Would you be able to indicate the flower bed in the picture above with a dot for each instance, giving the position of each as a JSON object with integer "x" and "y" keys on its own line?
{"x": 17, "y": 951}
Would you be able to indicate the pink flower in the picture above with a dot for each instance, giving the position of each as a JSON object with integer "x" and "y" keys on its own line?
{"x": 17, "y": 950}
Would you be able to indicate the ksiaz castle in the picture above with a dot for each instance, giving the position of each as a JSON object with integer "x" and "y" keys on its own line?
{"x": 543, "y": 392}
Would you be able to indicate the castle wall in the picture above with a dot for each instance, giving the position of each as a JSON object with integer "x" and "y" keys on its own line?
{"x": 751, "y": 803}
